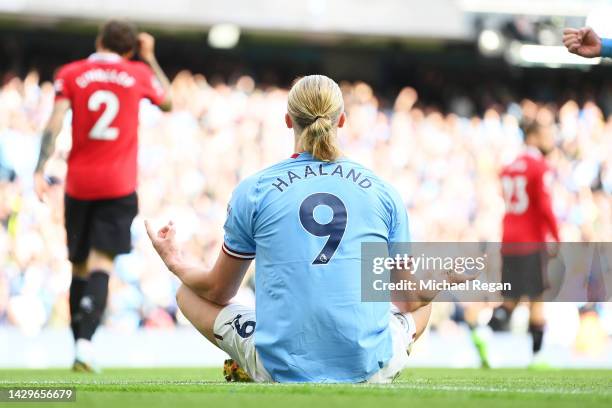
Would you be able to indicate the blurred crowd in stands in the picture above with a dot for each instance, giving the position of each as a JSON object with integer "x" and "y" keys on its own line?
{"x": 445, "y": 166}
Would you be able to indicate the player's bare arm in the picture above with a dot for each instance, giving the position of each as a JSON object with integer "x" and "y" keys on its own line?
{"x": 47, "y": 145}
{"x": 217, "y": 285}
{"x": 147, "y": 53}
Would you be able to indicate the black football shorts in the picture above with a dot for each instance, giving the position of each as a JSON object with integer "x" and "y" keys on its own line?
{"x": 526, "y": 275}
{"x": 103, "y": 225}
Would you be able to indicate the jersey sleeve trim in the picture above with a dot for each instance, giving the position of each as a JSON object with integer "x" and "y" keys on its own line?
{"x": 606, "y": 47}
{"x": 237, "y": 254}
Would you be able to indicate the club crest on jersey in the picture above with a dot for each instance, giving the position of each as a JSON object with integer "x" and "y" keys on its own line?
{"x": 58, "y": 85}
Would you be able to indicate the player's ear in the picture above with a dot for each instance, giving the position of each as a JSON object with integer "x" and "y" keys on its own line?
{"x": 128, "y": 55}
{"x": 288, "y": 121}
{"x": 341, "y": 119}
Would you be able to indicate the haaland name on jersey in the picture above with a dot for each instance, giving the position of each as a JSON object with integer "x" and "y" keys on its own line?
{"x": 339, "y": 171}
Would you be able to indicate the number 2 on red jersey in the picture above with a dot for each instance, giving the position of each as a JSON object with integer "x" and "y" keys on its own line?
{"x": 102, "y": 130}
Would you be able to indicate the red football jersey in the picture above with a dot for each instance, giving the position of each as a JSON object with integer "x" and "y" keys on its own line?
{"x": 529, "y": 216}
{"x": 104, "y": 91}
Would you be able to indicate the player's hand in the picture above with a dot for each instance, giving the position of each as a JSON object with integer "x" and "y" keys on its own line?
{"x": 584, "y": 42}
{"x": 452, "y": 276}
{"x": 41, "y": 186}
{"x": 164, "y": 242}
{"x": 552, "y": 248}
{"x": 146, "y": 44}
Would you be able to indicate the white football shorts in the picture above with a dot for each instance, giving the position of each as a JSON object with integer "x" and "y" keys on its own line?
{"x": 235, "y": 328}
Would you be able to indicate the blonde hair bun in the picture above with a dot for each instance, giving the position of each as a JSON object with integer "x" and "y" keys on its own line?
{"x": 315, "y": 103}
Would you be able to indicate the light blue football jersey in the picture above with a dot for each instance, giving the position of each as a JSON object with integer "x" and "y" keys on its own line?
{"x": 304, "y": 220}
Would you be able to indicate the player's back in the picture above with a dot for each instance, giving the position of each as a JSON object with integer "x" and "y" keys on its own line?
{"x": 307, "y": 221}
{"x": 104, "y": 91}
{"x": 523, "y": 184}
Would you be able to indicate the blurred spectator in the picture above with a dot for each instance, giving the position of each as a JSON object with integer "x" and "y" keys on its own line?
{"x": 445, "y": 166}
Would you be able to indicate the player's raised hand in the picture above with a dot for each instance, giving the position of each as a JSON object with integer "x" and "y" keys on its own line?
{"x": 164, "y": 242}
{"x": 584, "y": 42}
{"x": 146, "y": 43}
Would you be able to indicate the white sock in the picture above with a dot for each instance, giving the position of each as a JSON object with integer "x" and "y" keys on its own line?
{"x": 84, "y": 350}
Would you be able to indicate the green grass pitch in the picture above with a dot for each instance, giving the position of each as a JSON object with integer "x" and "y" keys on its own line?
{"x": 423, "y": 388}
